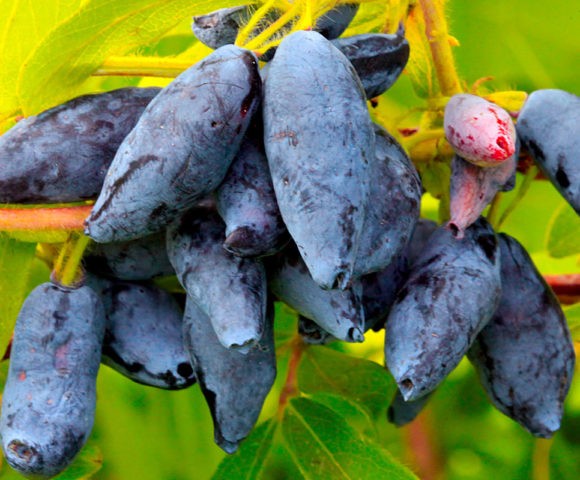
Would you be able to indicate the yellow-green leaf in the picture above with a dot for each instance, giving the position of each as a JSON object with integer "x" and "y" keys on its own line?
{"x": 23, "y": 24}
{"x": 15, "y": 264}
{"x": 420, "y": 65}
{"x": 563, "y": 233}
{"x": 572, "y": 313}
{"x": 76, "y": 48}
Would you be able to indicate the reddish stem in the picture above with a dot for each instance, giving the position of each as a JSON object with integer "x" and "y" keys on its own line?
{"x": 290, "y": 388}
{"x": 419, "y": 437}
{"x": 566, "y": 287}
{"x": 43, "y": 219}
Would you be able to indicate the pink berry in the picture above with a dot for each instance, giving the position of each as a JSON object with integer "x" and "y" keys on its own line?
{"x": 479, "y": 131}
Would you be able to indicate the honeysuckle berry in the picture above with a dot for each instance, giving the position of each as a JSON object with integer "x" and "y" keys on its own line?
{"x": 478, "y": 130}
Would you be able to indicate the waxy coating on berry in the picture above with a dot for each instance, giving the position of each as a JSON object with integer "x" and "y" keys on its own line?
{"x": 525, "y": 355}
{"x": 319, "y": 141}
{"x": 234, "y": 384}
{"x": 548, "y": 127}
{"x": 230, "y": 290}
{"x": 49, "y": 399}
{"x": 181, "y": 148}
{"x": 478, "y": 130}
{"x": 143, "y": 334}
{"x": 62, "y": 154}
{"x": 452, "y": 292}
{"x": 339, "y": 312}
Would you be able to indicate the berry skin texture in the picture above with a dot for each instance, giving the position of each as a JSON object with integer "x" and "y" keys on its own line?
{"x": 62, "y": 154}
{"x": 319, "y": 141}
{"x": 548, "y": 128}
{"x": 247, "y": 203}
{"x": 48, "y": 404}
{"x": 393, "y": 206}
{"x": 380, "y": 291}
{"x": 378, "y": 58}
{"x": 339, "y": 312}
{"x": 140, "y": 259}
{"x": 233, "y": 384}
{"x": 231, "y": 290}
{"x": 143, "y": 334}
{"x": 181, "y": 148}
{"x": 333, "y": 23}
{"x": 220, "y": 27}
{"x": 525, "y": 356}
{"x": 479, "y": 131}
{"x": 452, "y": 292}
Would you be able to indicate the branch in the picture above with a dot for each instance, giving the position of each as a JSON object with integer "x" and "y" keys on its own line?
{"x": 44, "y": 219}
{"x": 142, "y": 67}
{"x": 436, "y": 31}
{"x": 566, "y": 287}
{"x": 290, "y": 388}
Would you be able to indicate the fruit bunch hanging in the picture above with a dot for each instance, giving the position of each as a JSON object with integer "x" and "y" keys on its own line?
{"x": 261, "y": 179}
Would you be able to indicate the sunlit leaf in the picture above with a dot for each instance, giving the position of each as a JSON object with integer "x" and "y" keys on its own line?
{"x": 23, "y": 23}
{"x": 15, "y": 264}
{"x": 573, "y": 317}
{"x": 325, "y": 370}
{"x": 77, "y": 47}
{"x": 420, "y": 67}
{"x": 324, "y": 446}
{"x": 563, "y": 236}
{"x": 247, "y": 463}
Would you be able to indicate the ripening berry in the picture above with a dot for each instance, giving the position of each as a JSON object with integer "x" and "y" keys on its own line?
{"x": 479, "y": 131}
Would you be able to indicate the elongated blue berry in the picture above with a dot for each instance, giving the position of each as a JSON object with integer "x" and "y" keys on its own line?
{"x": 140, "y": 259}
{"x": 233, "y": 384}
{"x": 393, "y": 206}
{"x": 378, "y": 58}
{"x": 144, "y": 334}
{"x": 247, "y": 203}
{"x": 452, "y": 292}
{"x": 62, "y": 154}
{"x": 525, "y": 355}
{"x": 339, "y": 312}
{"x": 548, "y": 127}
{"x": 319, "y": 140}
{"x": 48, "y": 404}
{"x": 230, "y": 290}
{"x": 402, "y": 412}
{"x": 181, "y": 148}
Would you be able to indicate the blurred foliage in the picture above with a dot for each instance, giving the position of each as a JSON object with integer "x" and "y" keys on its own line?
{"x": 147, "y": 434}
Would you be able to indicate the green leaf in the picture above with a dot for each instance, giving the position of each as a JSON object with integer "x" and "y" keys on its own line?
{"x": 354, "y": 414}
{"x": 563, "y": 232}
{"x": 22, "y": 26}
{"x": 88, "y": 462}
{"x": 78, "y": 46}
{"x": 247, "y": 463}
{"x": 15, "y": 264}
{"x": 324, "y": 446}
{"x": 325, "y": 370}
{"x": 572, "y": 313}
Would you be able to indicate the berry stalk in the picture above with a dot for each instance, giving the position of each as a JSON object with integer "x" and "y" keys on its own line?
{"x": 436, "y": 31}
